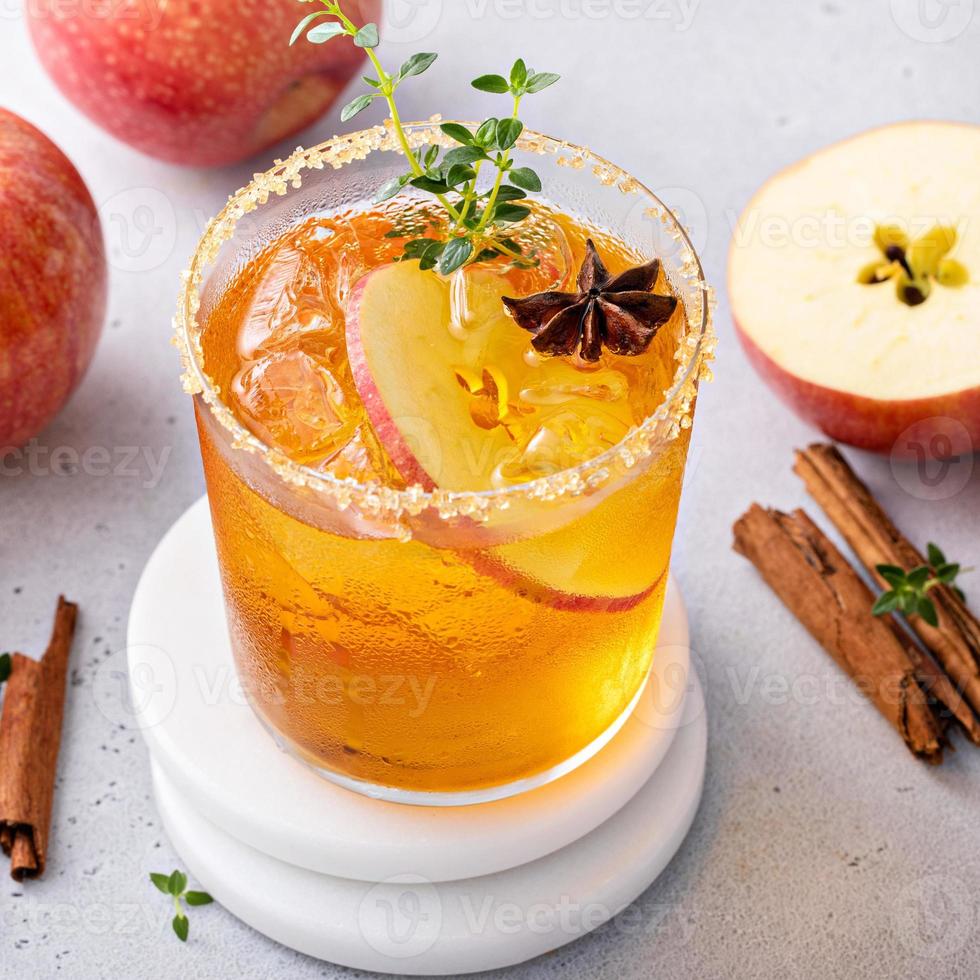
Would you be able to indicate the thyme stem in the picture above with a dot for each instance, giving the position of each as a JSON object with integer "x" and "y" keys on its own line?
{"x": 501, "y": 170}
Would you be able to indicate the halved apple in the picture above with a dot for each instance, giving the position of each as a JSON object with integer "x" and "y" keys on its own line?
{"x": 433, "y": 397}
{"x": 837, "y": 326}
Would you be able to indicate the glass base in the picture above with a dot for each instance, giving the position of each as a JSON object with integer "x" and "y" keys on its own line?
{"x": 393, "y": 794}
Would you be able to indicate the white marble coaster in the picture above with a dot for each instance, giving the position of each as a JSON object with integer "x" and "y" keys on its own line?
{"x": 408, "y": 924}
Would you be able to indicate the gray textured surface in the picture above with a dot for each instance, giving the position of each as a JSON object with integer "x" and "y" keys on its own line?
{"x": 821, "y": 849}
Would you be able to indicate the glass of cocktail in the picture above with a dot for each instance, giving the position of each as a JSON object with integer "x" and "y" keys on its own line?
{"x": 443, "y": 551}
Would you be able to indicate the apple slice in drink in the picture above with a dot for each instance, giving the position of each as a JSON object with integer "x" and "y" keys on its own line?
{"x": 403, "y": 358}
{"x": 424, "y": 384}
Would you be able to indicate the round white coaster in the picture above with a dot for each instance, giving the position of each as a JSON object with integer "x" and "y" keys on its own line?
{"x": 409, "y": 924}
{"x": 223, "y": 764}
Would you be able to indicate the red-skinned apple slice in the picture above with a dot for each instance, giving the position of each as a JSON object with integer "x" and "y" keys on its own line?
{"x": 403, "y": 360}
{"x": 849, "y": 357}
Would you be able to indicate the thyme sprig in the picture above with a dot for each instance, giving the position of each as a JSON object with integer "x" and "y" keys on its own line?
{"x": 479, "y": 222}
{"x": 175, "y": 885}
{"x": 909, "y": 590}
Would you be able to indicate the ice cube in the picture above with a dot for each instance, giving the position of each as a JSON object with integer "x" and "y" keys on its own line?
{"x": 279, "y": 305}
{"x": 563, "y": 440}
{"x": 362, "y": 459}
{"x": 555, "y": 382}
{"x": 547, "y": 256}
{"x": 292, "y": 401}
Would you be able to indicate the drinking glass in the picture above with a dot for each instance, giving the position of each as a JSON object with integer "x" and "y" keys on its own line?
{"x": 443, "y": 647}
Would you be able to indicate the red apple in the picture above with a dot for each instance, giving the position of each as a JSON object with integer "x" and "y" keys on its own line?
{"x": 52, "y": 280}
{"x": 865, "y": 366}
{"x": 194, "y": 81}
{"x": 405, "y": 365}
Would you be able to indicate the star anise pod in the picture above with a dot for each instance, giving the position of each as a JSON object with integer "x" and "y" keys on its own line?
{"x": 618, "y": 312}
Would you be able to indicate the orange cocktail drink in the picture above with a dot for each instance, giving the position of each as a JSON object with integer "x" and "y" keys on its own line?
{"x": 444, "y": 551}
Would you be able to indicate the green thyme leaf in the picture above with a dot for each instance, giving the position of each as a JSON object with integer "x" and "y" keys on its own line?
{"x": 892, "y": 574}
{"x": 463, "y": 154}
{"x": 927, "y": 610}
{"x": 458, "y": 174}
{"x": 936, "y": 557}
{"x": 918, "y": 576}
{"x": 887, "y": 602}
{"x": 430, "y": 256}
{"x": 425, "y": 183}
{"x": 486, "y": 131}
{"x": 508, "y": 132}
{"x": 458, "y": 132}
{"x": 511, "y": 212}
{"x": 389, "y": 189}
{"x": 325, "y": 32}
{"x": 491, "y": 83}
{"x": 541, "y": 80}
{"x": 417, "y": 64}
{"x": 508, "y": 193}
{"x": 417, "y": 246}
{"x": 526, "y": 178}
{"x": 455, "y": 255}
{"x": 175, "y": 885}
{"x": 162, "y": 882}
{"x": 355, "y": 106}
{"x": 518, "y": 75}
{"x": 367, "y": 37}
{"x": 426, "y": 250}
{"x": 305, "y": 22}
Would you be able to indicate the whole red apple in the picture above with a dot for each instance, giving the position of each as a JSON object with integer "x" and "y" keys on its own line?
{"x": 194, "y": 81}
{"x": 52, "y": 280}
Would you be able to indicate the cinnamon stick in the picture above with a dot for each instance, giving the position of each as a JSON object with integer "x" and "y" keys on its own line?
{"x": 824, "y": 592}
{"x": 955, "y": 642}
{"x": 30, "y": 733}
